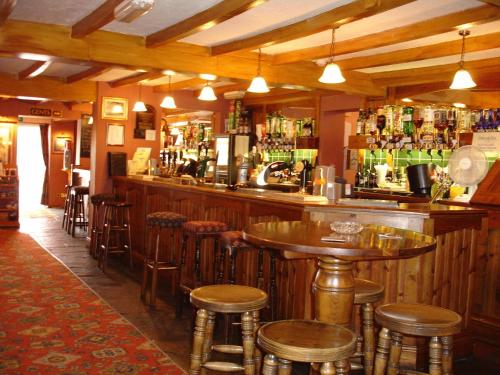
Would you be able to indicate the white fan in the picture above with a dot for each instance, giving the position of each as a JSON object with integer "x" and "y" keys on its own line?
{"x": 467, "y": 166}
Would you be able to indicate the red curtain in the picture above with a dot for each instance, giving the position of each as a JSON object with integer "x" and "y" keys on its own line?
{"x": 44, "y": 133}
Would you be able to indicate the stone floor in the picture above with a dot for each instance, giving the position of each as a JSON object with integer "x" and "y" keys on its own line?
{"x": 121, "y": 289}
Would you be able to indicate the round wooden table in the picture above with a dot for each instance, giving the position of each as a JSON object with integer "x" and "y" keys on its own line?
{"x": 333, "y": 285}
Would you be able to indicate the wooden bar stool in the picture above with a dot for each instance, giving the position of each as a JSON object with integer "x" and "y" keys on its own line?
{"x": 65, "y": 219}
{"x": 398, "y": 319}
{"x": 225, "y": 298}
{"x": 305, "y": 341}
{"x": 77, "y": 214}
{"x": 366, "y": 293}
{"x": 116, "y": 232}
{"x": 156, "y": 223}
{"x": 97, "y": 201}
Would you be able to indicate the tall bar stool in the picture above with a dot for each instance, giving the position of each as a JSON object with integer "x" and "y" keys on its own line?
{"x": 366, "y": 293}
{"x": 398, "y": 319}
{"x": 225, "y": 298}
{"x": 67, "y": 199}
{"x": 96, "y": 230}
{"x": 198, "y": 230}
{"x": 116, "y": 232}
{"x": 307, "y": 341}
{"x": 156, "y": 223}
{"x": 77, "y": 214}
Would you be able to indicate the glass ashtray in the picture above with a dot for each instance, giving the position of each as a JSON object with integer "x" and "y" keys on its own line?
{"x": 346, "y": 227}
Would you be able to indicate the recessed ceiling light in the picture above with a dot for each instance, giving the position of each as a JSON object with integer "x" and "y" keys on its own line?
{"x": 33, "y": 56}
{"x": 406, "y": 100}
{"x": 208, "y": 77}
{"x": 169, "y": 72}
{"x": 32, "y": 98}
{"x": 459, "y": 105}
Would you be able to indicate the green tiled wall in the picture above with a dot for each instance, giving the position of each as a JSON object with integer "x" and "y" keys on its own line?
{"x": 302, "y": 154}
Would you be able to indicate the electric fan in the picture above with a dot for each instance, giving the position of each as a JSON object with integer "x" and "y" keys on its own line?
{"x": 467, "y": 166}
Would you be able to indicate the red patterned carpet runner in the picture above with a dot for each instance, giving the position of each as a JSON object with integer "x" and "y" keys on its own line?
{"x": 52, "y": 323}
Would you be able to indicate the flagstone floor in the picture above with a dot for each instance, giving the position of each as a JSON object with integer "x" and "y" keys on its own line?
{"x": 121, "y": 289}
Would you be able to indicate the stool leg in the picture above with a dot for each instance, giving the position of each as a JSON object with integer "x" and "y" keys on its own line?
{"x": 284, "y": 367}
{"x": 382, "y": 352}
{"x": 145, "y": 270}
{"x": 247, "y": 329}
{"x": 435, "y": 356}
{"x": 342, "y": 367}
{"x": 209, "y": 334}
{"x": 260, "y": 269}
{"x": 129, "y": 238}
{"x": 216, "y": 259}
{"x": 180, "y": 294}
{"x": 272, "y": 285}
{"x": 232, "y": 271}
{"x": 257, "y": 355}
{"x": 270, "y": 366}
{"x": 220, "y": 265}
{"x": 197, "y": 255}
{"x": 154, "y": 273}
{"x": 327, "y": 368}
{"x": 447, "y": 355}
{"x": 198, "y": 338}
{"x": 368, "y": 338}
{"x": 395, "y": 353}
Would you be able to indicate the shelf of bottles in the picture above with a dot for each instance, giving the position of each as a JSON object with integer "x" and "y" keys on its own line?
{"x": 9, "y": 202}
{"x": 420, "y": 126}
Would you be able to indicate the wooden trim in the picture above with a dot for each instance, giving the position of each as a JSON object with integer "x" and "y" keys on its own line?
{"x": 24, "y": 74}
{"x": 333, "y": 18}
{"x": 201, "y": 21}
{"x": 437, "y": 25}
{"x": 87, "y": 74}
{"x": 135, "y": 79}
{"x": 6, "y": 8}
{"x": 95, "y": 20}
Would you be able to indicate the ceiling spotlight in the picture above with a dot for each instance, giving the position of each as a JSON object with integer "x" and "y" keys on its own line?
{"x": 129, "y": 10}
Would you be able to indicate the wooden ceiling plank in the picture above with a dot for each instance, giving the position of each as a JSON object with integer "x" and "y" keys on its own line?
{"x": 95, "y": 20}
{"x": 492, "y": 2}
{"x": 132, "y": 80}
{"x": 187, "y": 83}
{"x": 241, "y": 86}
{"x": 437, "y": 25}
{"x": 338, "y": 16}
{"x": 6, "y": 8}
{"x": 87, "y": 74}
{"x": 102, "y": 47}
{"x": 412, "y": 90}
{"x": 24, "y": 74}
{"x": 49, "y": 88}
{"x": 474, "y": 43}
{"x": 202, "y": 21}
{"x": 303, "y": 97}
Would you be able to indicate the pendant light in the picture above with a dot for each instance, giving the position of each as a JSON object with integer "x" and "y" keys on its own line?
{"x": 168, "y": 101}
{"x": 258, "y": 84}
{"x": 139, "y": 105}
{"x": 462, "y": 79}
{"x": 207, "y": 93}
{"x": 332, "y": 73}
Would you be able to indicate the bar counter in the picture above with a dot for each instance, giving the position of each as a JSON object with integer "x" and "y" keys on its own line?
{"x": 443, "y": 277}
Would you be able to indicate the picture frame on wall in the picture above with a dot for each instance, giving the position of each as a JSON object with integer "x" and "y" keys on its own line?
{"x": 114, "y": 108}
{"x": 59, "y": 143}
{"x": 115, "y": 135}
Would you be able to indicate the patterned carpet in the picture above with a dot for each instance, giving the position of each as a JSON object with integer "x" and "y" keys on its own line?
{"x": 52, "y": 323}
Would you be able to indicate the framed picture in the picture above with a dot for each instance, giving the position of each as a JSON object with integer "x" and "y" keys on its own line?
{"x": 59, "y": 143}
{"x": 115, "y": 135}
{"x": 114, "y": 108}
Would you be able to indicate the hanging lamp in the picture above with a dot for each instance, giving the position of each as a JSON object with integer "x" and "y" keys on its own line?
{"x": 332, "y": 72}
{"x": 462, "y": 79}
{"x": 168, "y": 101}
{"x": 139, "y": 105}
{"x": 207, "y": 93}
{"x": 258, "y": 84}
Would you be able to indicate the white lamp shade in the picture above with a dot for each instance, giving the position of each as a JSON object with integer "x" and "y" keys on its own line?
{"x": 168, "y": 102}
{"x": 175, "y": 131}
{"x": 207, "y": 93}
{"x": 139, "y": 107}
{"x": 90, "y": 120}
{"x": 258, "y": 85}
{"x": 462, "y": 80}
{"x": 331, "y": 74}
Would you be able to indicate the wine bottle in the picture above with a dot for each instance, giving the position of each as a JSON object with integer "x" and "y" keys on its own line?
{"x": 360, "y": 123}
{"x": 408, "y": 128}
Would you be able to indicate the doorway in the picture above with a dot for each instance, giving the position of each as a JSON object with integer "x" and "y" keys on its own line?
{"x": 31, "y": 169}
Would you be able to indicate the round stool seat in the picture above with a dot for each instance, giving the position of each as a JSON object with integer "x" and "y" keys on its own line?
{"x": 227, "y": 298}
{"x": 203, "y": 226}
{"x": 418, "y": 319}
{"x": 165, "y": 219}
{"x": 99, "y": 198}
{"x": 306, "y": 340}
{"x": 80, "y": 189}
{"x": 366, "y": 291}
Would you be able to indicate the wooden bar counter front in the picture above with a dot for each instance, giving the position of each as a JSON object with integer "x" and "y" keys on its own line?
{"x": 443, "y": 277}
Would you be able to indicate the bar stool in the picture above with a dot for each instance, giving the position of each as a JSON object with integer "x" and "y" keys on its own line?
{"x": 156, "y": 223}
{"x": 307, "y": 341}
{"x": 77, "y": 215}
{"x": 225, "y": 298}
{"x": 366, "y": 293}
{"x": 97, "y": 201}
{"x": 65, "y": 219}
{"x": 116, "y": 232}
{"x": 398, "y": 319}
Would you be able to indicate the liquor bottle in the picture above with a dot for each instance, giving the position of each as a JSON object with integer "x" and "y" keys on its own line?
{"x": 428, "y": 125}
{"x": 408, "y": 128}
{"x": 389, "y": 120}
{"x": 497, "y": 120}
{"x": 490, "y": 123}
{"x": 381, "y": 122}
{"x": 360, "y": 123}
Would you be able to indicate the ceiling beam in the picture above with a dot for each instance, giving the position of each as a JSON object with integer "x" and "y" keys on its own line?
{"x": 38, "y": 67}
{"x": 87, "y": 74}
{"x": 474, "y": 43}
{"x": 6, "y": 8}
{"x": 333, "y": 18}
{"x": 492, "y": 2}
{"x": 187, "y": 83}
{"x": 241, "y": 86}
{"x": 136, "y": 79}
{"x": 202, "y": 21}
{"x": 104, "y": 47}
{"x": 302, "y": 97}
{"x": 95, "y": 20}
{"x": 437, "y": 25}
{"x": 49, "y": 88}
{"x": 470, "y": 98}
